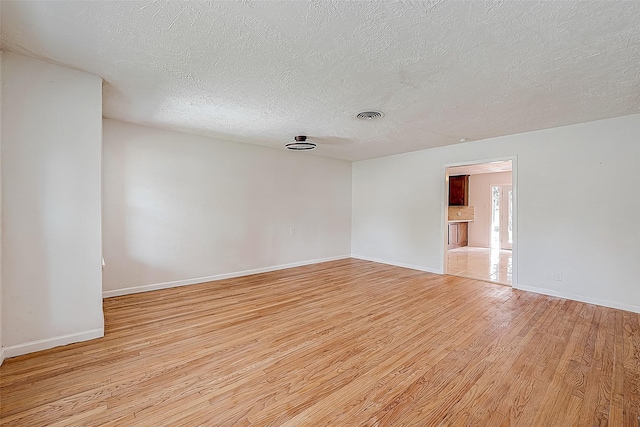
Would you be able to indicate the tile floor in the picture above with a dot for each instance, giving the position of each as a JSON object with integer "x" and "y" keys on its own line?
{"x": 493, "y": 265}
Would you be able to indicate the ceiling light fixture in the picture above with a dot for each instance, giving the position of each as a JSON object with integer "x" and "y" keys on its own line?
{"x": 300, "y": 143}
{"x": 370, "y": 115}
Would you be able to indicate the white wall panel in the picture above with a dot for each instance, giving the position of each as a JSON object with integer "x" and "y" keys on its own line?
{"x": 51, "y": 208}
{"x": 576, "y": 199}
{"x": 180, "y": 208}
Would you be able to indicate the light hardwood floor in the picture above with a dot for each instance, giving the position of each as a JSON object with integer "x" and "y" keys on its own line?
{"x": 343, "y": 343}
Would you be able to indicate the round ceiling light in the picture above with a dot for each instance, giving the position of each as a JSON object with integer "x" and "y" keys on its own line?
{"x": 370, "y": 115}
{"x": 300, "y": 143}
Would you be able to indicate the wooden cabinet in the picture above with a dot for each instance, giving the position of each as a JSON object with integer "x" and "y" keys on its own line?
{"x": 458, "y": 234}
{"x": 463, "y": 233}
{"x": 459, "y": 196}
{"x": 453, "y": 235}
{"x": 459, "y": 190}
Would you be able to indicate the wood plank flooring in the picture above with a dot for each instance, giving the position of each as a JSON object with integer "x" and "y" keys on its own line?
{"x": 344, "y": 343}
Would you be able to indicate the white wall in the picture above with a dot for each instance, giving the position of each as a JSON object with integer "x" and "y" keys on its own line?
{"x": 180, "y": 208}
{"x": 573, "y": 184}
{"x": 1, "y": 341}
{"x": 480, "y": 198}
{"x": 51, "y": 244}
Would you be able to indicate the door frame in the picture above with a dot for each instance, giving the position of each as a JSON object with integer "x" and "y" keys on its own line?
{"x": 445, "y": 208}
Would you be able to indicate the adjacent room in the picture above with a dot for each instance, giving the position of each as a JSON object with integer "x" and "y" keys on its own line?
{"x": 480, "y": 233}
{"x": 307, "y": 213}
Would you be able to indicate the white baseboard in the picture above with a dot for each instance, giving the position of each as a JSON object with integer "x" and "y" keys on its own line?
{"x": 397, "y": 264}
{"x": 176, "y": 283}
{"x": 30, "y": 347}
{"x": 580, "y": 298}
{"x": 1, "y": 355}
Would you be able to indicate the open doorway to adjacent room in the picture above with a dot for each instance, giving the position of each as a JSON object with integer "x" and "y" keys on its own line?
{"x": 480, "y": 221}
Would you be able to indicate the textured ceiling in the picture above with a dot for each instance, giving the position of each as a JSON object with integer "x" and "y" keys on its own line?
{"x": 263, "y": 72}
{"x": 480, "y": 168}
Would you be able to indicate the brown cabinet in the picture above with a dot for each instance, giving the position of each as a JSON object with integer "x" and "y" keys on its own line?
{"x": 458, "y": 196}
{"x": 459, "y": 190}
{"x": 458, "y": 234}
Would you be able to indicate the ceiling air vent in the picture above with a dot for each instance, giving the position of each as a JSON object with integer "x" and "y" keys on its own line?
{"x": 369, "y": 115}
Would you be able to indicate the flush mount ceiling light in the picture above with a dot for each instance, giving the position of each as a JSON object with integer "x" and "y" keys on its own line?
{"x": 370, "y": 115}
{"x": 300, "y": 143}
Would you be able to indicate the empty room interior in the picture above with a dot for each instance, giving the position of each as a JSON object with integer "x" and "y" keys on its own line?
{"x": 311, "y": 213}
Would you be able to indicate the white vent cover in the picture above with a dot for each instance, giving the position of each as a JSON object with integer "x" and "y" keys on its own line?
{"x": 370, "y": 115}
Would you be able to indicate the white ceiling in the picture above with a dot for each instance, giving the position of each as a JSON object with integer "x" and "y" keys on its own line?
{"x": 263, "y": 72}
{"x": 480, "y": 168}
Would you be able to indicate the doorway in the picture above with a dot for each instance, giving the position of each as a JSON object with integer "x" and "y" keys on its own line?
{"x": 490, "y": 251}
